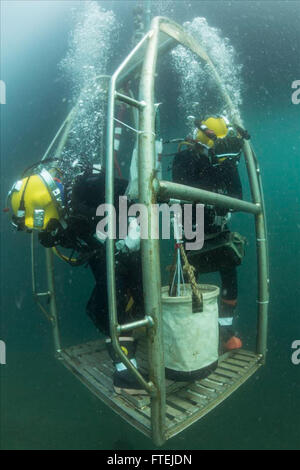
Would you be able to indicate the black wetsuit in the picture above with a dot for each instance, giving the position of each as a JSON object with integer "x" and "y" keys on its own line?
{"x": 195, "y": 170}
{"x": 88, "y": 193}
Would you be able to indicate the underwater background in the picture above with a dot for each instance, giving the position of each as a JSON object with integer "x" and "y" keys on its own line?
{"x": 42, "y": 405}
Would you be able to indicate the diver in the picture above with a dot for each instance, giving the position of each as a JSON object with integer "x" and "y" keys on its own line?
{"x": 63, "y": 212}
{"x": 210, "y": 162}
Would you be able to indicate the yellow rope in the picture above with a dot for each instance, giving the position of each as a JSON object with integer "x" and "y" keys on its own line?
{"x": 130, "y": 304}
{"x": 63, "y": 257}
{"x": 190, "y": 270}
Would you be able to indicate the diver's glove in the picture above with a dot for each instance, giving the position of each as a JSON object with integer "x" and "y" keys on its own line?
{"x": 132, "y": 242}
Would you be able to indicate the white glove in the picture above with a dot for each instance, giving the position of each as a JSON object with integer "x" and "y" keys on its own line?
{"x": 133, "y": 240}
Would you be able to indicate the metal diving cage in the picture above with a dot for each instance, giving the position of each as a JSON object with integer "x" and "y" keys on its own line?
{"x": 169, "y": 407}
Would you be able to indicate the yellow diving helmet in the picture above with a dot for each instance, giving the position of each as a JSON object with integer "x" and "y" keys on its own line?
{"x": 35, "y": 200}
{"x": 211, "y": 129}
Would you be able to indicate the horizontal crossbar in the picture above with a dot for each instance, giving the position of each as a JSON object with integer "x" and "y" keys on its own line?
{"x": 167, "y": 190}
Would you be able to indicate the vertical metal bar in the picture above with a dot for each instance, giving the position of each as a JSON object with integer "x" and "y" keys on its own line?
{"x": 52, "y": 299}
{"x": 104, "y": 81}
{"x": 262, "y": 254}
{"x": 33, "y": 279}
{"x": 109, "y": 199}
{"x": 33, "y": 265}
{"x": 262, "y": 198}
{"x": 150, "y": 247}
{"x": 110, "y": 242}
{"x": 263, "y": 287}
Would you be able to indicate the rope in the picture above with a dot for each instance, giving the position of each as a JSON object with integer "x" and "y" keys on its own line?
{"x": 178, "y": 272}
{"x": 187, "y": 268}
{"x": 190, "y": 270}
{"x": 68, "y": 259}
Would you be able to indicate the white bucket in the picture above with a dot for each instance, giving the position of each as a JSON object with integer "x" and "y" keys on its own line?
{"x": 191, "y": 339}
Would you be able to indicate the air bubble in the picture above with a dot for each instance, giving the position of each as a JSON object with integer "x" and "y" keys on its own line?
{"x": 196, "y": 80}
{"x": 90, "y": 51}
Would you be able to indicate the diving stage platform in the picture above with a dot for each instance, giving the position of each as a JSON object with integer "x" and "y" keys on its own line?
{"x": 186, "y": 402}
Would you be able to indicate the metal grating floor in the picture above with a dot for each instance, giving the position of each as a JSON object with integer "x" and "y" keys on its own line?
{"x": 186, "y": 401}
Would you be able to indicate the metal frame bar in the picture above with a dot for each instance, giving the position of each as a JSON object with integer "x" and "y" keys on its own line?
{"x": 52, "y": 300}
{"x": 261, "y": 252}
{"x": 52, "y": 317}
{"x": 129, "y": 100}
{"x": 110, "y": 245}
{"x": 150, "y": 247}
{"x": 167, "y": 190}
